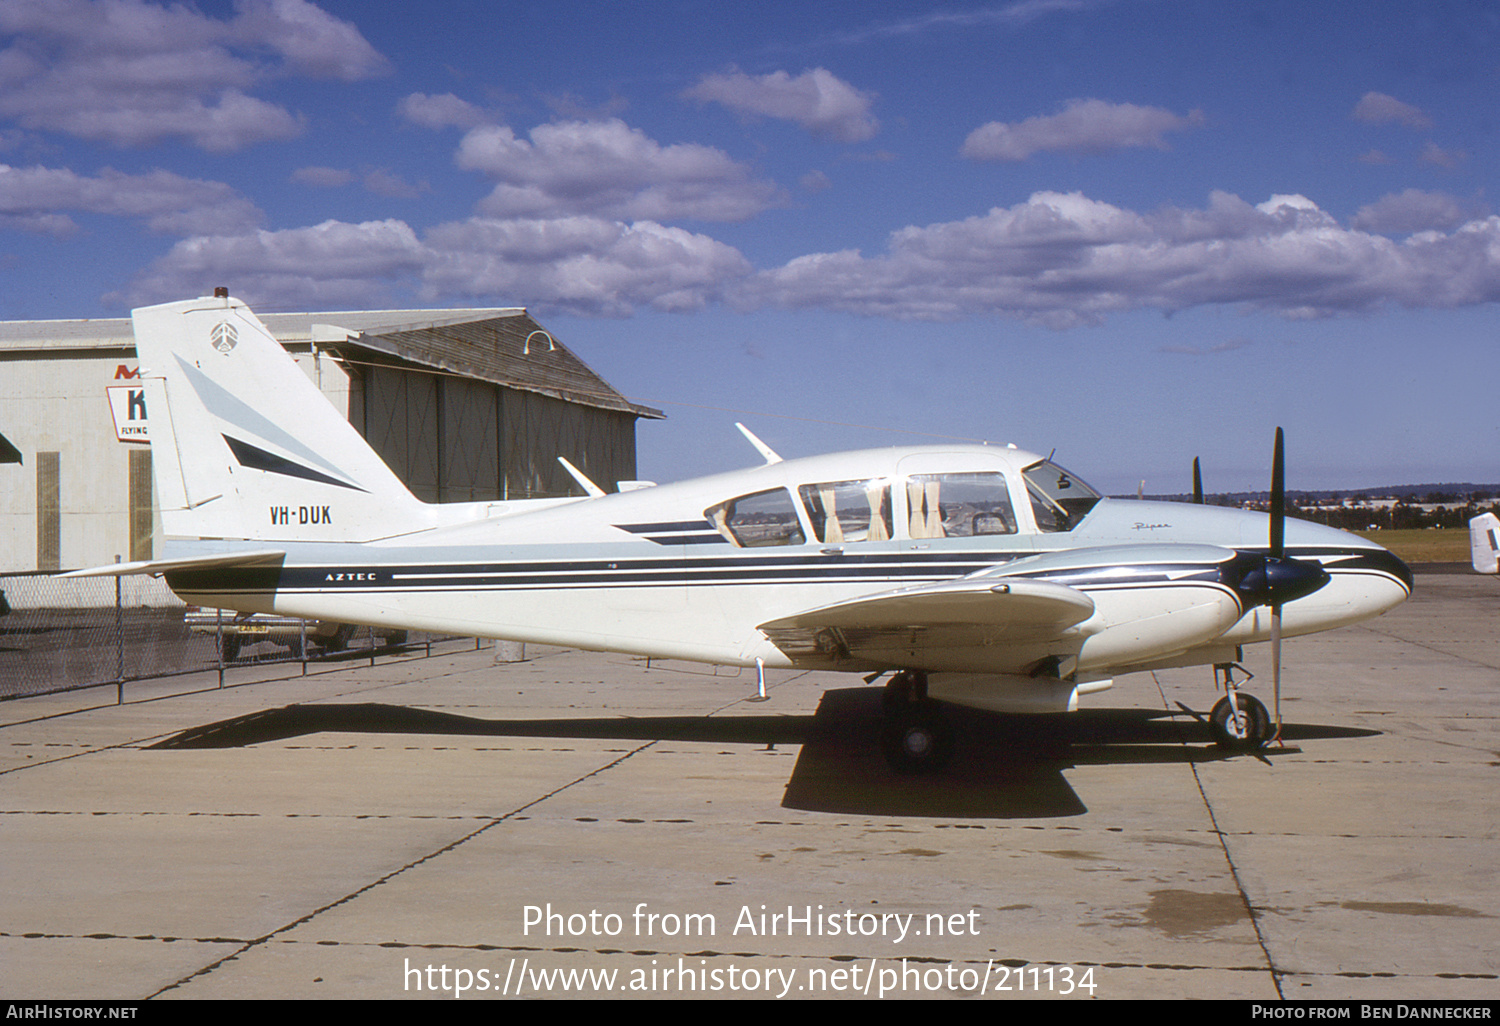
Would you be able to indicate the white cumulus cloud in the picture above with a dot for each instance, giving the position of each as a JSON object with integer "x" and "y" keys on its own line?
{"x": 817, "y": 100}
{"x": 326, "y": 265}
{"x": 1379, "y": 109}
{"x": 40, "y": 199}
{"x": 580, "y": 264}
{"x": 1083, "y": 126}
{"x": 1057, "y": 259}
{"x": 133, "y": 72}
{"x": 1412, "y": 211}
{"x": 442, "y": 111}
{"x": 1064, "y": 260}
{"x": 608, "y": 169}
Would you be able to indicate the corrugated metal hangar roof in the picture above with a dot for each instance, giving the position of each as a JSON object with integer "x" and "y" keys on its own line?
{"x": 500, "y": 345}
{"x": 511, "y": 349}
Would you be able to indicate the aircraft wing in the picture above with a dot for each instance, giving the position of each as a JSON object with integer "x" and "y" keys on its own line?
{"x": 264, "y": 557}
{"x": 969, "y": 611}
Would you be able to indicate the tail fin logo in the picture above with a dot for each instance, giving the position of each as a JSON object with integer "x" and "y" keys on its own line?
{"x": 224, "y": 337}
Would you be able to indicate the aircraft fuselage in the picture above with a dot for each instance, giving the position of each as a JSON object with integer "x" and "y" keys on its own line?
{"x": 692, "y": 570}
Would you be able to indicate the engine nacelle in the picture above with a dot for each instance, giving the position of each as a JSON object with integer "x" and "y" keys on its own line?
{"x": 1010, "y": 692}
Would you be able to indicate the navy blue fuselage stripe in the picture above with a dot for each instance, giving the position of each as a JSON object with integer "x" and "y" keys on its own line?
{"x": 660, "y": 573}
{"x": 675, "y": 525}
{"x": 258, "y": 459}
{"x": 896, "y": 568}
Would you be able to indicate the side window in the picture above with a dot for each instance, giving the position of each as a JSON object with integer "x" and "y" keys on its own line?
{"x": 752, "y": 521}
{"x": 849, "y": 511}
{"x": 958, "y": 505}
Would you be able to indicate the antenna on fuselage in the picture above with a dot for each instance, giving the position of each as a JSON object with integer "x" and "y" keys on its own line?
{"x": 767, "y": 453}
{"x": 593, "y": 490}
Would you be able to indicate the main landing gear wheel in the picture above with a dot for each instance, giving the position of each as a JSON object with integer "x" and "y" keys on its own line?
{"x": 917, "y": 739}
{"x": 1248, "y": 731}
{"x": 915, "y": 736}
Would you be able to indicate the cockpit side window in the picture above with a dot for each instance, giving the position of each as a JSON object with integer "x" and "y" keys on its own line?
{"x": 1059, "y": 500}
{"x": 761, "y": 519}
{"x": 958, "y": 505}
{"x": 849, "y": 511}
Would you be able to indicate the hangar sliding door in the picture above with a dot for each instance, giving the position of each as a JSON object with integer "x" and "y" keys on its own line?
{"x": 453, "y": 439}
{"x": 469, "y": 449}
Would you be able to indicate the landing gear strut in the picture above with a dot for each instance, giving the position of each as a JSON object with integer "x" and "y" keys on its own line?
{"x": 915, "y": 737}
{"x": 1239, "y": 722}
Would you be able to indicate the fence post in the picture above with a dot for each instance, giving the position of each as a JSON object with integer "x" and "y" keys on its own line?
{"x": 219, "y": 641}
{"x": 119, "y": 645}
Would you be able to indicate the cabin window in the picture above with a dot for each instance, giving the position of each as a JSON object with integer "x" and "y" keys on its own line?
{"x": 849, "y": 511}
{"x": 1058, "y": 499}
{"x": 753, "y": 521}
{"x": 958, "y": 505}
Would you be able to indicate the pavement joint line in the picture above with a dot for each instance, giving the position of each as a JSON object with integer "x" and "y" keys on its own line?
{"x": 769, "y": 688}
{"x": 707, "y": 953}
{"x": 153, "y": 738}
{"x": 450, "y": 846}
{"x": 1239, "y": 885}
{"x": 1393, "y": 636}
{"x": 321, "y": 671}
{"x": 1234, "y": 872}
{"x": 133, "y": 742}
{"x": 248, "y": 945}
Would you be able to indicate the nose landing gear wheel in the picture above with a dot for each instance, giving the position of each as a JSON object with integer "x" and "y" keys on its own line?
{"x": 916, "y": 739}
{"x": 1248, "y": 731}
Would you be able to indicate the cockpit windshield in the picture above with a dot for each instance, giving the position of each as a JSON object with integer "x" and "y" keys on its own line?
{"x": 1059, "y": 500}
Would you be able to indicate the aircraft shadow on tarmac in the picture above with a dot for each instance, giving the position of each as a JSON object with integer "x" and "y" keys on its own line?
{"x": 1007, "y": 767}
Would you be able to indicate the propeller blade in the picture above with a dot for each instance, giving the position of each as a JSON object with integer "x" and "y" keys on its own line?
{"x": 1276, "y": 669}
{"x": 1278, "y": 499}
{"x": 1278, "y": 549}
{"x": 1197, "y": 482}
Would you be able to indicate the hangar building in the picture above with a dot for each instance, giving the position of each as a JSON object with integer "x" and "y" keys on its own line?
{"x": 464, "y": 405}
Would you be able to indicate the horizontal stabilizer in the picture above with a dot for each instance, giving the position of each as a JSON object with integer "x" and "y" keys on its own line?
{"x": 265, "y": 557}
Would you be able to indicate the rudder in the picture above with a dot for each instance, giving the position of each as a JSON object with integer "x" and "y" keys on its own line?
{"x": 1484, "y": 543}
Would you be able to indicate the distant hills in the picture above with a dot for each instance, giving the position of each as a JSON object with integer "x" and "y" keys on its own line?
{"x": 1453, "y": 492}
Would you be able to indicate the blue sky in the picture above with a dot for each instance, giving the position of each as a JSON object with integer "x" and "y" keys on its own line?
{"x": 1132, "y": 232}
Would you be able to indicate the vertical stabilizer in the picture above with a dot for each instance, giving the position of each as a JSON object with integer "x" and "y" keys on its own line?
{"x": 244, "y": 445}
{"x": 1484, "y": 543}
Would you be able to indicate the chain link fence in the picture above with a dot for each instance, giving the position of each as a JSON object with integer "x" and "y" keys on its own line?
{"x": 59, "y": 634}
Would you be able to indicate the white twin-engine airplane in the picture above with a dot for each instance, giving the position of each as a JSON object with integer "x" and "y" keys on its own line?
{"x": 977, "y": 576}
